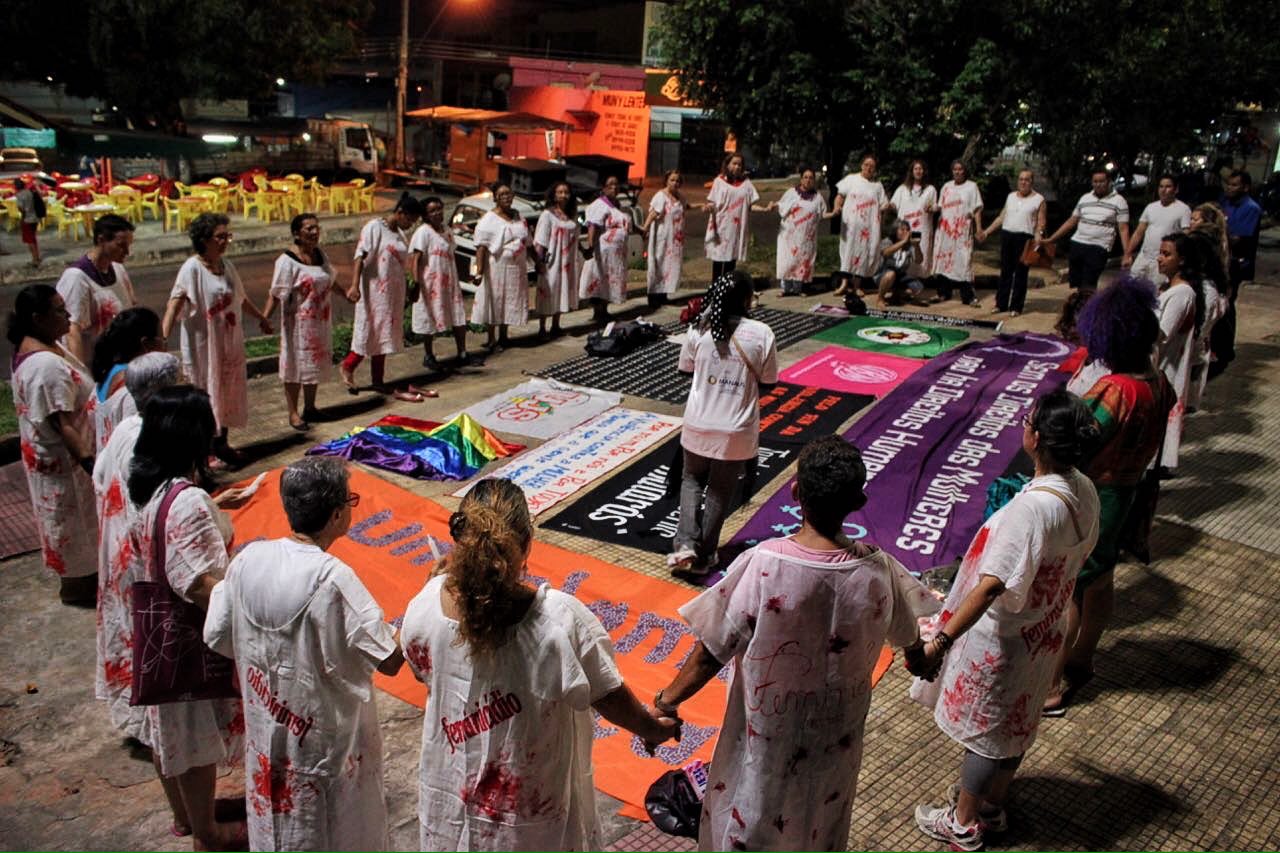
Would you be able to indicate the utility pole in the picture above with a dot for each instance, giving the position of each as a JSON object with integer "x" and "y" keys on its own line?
{"x": 402, "y": 84}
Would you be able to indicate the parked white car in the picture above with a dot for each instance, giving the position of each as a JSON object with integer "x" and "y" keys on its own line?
{"x": 469, "y": 210}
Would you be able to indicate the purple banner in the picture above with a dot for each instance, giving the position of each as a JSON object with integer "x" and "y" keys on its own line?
{"x": 932, "y": 446}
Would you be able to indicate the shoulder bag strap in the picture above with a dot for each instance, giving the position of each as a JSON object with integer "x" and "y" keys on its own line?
{"x": 743, "y": 355}
{"x": 157, "y": 535}
{"x": 1074, "y": 521}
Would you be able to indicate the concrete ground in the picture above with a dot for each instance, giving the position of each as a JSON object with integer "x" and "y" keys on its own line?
{"x": 1173, "y": 747}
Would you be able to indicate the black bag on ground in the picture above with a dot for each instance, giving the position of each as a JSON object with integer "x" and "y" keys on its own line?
{"x": 673, "y": 805}
{"x": 619, "y": 339}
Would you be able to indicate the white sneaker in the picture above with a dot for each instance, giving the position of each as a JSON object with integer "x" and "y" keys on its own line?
{"x": 997, "y": 821}
{"x": 939, "y": 822}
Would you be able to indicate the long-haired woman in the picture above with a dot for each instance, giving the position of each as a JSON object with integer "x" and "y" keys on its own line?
{"x": 916, "y": 200}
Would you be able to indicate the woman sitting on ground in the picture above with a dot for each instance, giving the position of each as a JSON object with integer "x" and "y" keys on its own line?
{"x": 532, "y": 665}
{"x": 1000, "y": 632}
{"x": 777, "y": 784}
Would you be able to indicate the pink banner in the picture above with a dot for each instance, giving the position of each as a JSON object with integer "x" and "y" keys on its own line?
{"x": 852, "y": 371}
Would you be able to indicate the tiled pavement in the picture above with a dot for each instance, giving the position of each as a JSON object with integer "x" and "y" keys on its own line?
{"x": 1174, "y": 746}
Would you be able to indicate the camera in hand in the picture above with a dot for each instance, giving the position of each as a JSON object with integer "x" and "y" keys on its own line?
{"x": 915, "y": 236}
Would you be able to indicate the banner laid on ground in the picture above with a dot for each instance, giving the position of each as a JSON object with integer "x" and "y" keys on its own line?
{"x": 397, "y": 537}
{"x": 424, "y": 450}
{"x": 931, "y": 448}
{"x": 541, "y": 408}
{"x": 895, "y": 337}
{"x": 909, "y": 316}
{"x": 640, "y": 507}
{"x": 852, "y": 371}
{"x": 552, "y": 472}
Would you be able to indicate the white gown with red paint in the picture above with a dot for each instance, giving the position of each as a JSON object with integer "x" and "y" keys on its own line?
{"x": 503, "y": 297}
{"x": 995, "y": 678}
{"x": 506, "y": 739}
{"x": 804, "y": 629}
{"x": 306, "y": 637}
{"x": 306, "y": 319}
{"x": 91, "y": 306}
{"x": 728, "y": 232}
{"x": 186, "y": 735}
{"x": 798, "y": 234}
{"x": 557, "y": 238}
{"x": 860, "y": 224}
{"x": 912, "y": 206}
{"x": 953, "y": 241}
{"x": 109, "y": 413}
{"x": 212, "y": 338}
{"x": 666, "y": 244}
{"x": 118, "y": 567}
{"x": 439, "y": 307}
{"x": 378, "y": 327}
{"x": 61, "y": 492}
{"x": 604, "y": 276}
{"x": 1177, "y": 312}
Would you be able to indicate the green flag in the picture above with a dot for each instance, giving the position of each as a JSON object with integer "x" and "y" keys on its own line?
{"x": 895, "y": 337}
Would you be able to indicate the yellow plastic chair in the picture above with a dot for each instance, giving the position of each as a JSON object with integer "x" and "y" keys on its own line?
{"x": 320, "y": 196}
{"x": 249, "y": 202}
{"x": 183, "y": 189}
{"x": 125, "y": 201}
{"x": 218, "y": 182}
{"x": 364, "y": 198}
{"x": 69, "y": 224}
{"x": 149, "y": 202}
{"x": 343, "y": 197}
{"x": 261, "y": 182}
{"x": 294, "y": 202}
{"x": 295, "y": 178}
{"x": 13, "y": 217}
{"x": 212, "y": 201}
{"x": 269, "y": 205}
{"x": 173, "y": 213}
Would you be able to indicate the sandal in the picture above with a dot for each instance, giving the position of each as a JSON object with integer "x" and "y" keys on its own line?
{"x": 423, "y": 392}
{"x": 300, "y": 426}
{"x": 349, "y": 380}
{"x": 409, "y": 396}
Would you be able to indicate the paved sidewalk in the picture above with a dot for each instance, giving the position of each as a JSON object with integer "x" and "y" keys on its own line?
{"x": 1174, "y": 746}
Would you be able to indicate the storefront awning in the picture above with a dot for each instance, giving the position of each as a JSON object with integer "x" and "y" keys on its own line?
{"x": 496, "y": 120}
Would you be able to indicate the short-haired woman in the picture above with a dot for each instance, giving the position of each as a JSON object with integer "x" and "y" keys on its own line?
{"x": 730, "y": 357}
{"x": 530, "y": 666}
{"x": 438, "y": 307}
{"x": 604, "y": 275}
{"x": 97, "y": 287}
{"x": 860, "y": 203}
{"x": 801, "y": 617}
{"x": 502, "y": 242}
{"x": 665, "y": 227}
{"x": 378, "y": 291}
{"x": 53, "y": 395}
{"x": 730, "y": 202}
{"x": 133, "y": 332}
{"x": 1023, "y": 220}
{"x": 206, "y": 303}
{"x": 302, "y": 285}
{"x": 960, "y": 218}
{"x": 800, "y": 210}
{"x": 306, "y": 634}
{"x": 1000, "y": 632}
{"x": 189, "y": 739}
{"x": 555, "y": 240}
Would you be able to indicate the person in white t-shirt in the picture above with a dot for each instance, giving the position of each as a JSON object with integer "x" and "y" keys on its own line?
{"x": 1023, "y": 219}
{"x": 730, "y": 357}
{"x": 513, "y": 676}
{"x": 1098, "y": 215}
{"x": 1162, "y": 217}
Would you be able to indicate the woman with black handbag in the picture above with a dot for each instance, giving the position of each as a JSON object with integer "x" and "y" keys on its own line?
{"x": 182, "y": 537}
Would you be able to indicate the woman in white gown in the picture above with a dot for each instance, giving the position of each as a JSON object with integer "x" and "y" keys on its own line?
{"x": 604, "y": 275}
{"x": 860, "y": 202}
{"x": 730, "y": 202}
{"x": 555, "y": 241}
{"x": 916, "y": 201}
{"x": 665, "y": 227}
{"x": 503, "y": 242}
{"x": 801, "y": 210}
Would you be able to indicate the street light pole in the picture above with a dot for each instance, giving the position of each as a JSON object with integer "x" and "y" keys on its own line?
{"x": 402, "y": 84}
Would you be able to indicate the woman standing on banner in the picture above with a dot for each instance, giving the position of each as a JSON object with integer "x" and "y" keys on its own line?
{"x": 916, "y": 200}
{"x": 306, "y": 633}
{"x": 800, "y": 210}
{"x": 604, "y": 275}
{"x": 513, "y": 675}
{"x": 994, "y": 648}
{"x": 1023, "y": 218}
{"x": 777, "y": 782}
{"x": 191, "y": 739}
{"x": 1181, "y": 310}
{"x": 97, "y": 287}
{"x": 378, "y": 283}
{"x": 439, "y": 307}
{"x": 665, "y": 226}
{"x": 555, "y": 241}
{"x": 730, "y": 357}
{"x": 133, "y": 332}
{"x": 301, "y": 285}
{"x": 206, "y": 302}
{"x": 502, "y": 269}
{"x": 860, "y": 203}
{"x": 961, "y": 206}
{"x": 53, "y": 395}
{"x": 1130, "y": 404}
{"x": 730, "y": 202}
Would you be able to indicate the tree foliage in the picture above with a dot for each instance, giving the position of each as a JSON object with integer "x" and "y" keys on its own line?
{"x": 145, "y": 55}
{"x": 952, "y": 78}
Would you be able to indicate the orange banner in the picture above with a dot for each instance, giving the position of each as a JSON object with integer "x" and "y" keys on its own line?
{"x": 393, "y": 544}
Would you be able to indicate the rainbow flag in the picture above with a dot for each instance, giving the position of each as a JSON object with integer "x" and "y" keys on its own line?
{"x": 424, "y": 450}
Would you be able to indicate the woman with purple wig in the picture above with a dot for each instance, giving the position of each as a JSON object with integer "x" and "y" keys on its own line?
{"x": 1131, "y": 404}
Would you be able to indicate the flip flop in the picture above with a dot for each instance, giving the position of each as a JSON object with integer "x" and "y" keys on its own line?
{"x": 349, "y": 380}
{"x": 408, "y": 396}
{"x": 425, "y": 392}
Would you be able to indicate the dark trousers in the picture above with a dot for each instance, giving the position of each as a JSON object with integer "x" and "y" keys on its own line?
{"x": 719, "y": 268}
{"x": 1222, "y": 339}
{"x": 1085, "y": 265}
{"x": 945, "y": 286}
{"x": 1011, "y": 293}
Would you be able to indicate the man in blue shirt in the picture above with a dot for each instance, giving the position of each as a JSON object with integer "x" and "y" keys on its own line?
{"x": 1244, "y": 220}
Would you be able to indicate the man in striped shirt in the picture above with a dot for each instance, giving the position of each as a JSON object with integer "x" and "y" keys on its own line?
{"x": 1099, "y": 214}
